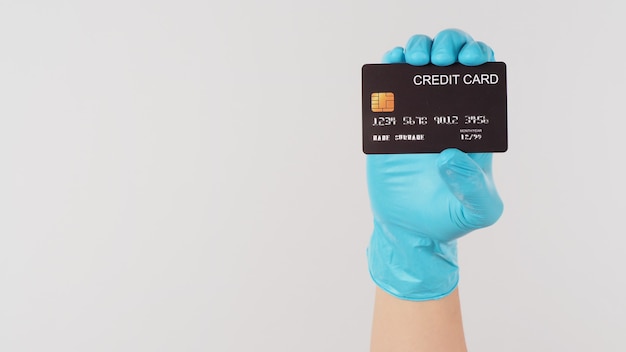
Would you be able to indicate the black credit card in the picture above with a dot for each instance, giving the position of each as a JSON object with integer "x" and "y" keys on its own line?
{"x": 426, "y": 109}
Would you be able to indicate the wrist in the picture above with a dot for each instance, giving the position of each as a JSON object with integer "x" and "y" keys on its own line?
{"x": 412, "y": 267}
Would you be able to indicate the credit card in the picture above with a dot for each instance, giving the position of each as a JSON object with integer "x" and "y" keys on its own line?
{"x": 426, "y": 109}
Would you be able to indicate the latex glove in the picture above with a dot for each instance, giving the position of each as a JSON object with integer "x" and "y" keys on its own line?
{"x": 423, "y": 202}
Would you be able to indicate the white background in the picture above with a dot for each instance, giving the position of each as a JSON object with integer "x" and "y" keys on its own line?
{"x": 188, "y": 175}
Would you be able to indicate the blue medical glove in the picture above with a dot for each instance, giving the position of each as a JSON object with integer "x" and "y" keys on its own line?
{"x": 423, "y": 202}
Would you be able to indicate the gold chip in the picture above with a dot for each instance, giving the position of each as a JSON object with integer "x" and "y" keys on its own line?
{"x": 382, "y": 102}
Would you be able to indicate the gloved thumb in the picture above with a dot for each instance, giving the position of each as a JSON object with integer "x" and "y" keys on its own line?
{"x": 479, "y": 202}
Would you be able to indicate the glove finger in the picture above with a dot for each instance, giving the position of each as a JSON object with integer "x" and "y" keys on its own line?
{"x": 417, "y": 50}
{"x": 475, "y": 53}
{"x": 394, "y": 56}
{"x": 480, "y": 203}
{"x": 446, "y": 46}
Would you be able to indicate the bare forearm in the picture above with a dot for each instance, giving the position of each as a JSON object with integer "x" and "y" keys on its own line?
{"x": 408, "y": 326}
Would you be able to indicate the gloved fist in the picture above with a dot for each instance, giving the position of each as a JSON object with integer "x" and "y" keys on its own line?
{"x": 423, "y": 202}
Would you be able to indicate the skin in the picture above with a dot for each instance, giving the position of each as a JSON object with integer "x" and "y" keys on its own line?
{"x": 429, "y": 326}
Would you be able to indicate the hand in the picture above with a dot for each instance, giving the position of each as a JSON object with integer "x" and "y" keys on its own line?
{"x": 423, "y": 202}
